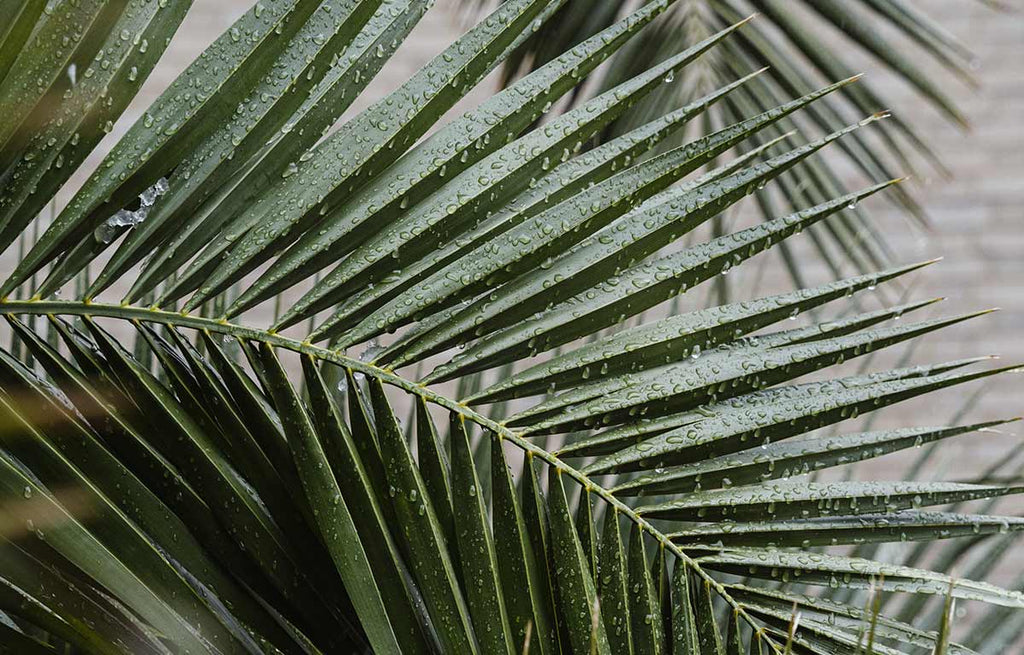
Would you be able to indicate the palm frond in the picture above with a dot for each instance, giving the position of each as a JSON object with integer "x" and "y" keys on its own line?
{"x": 584, "y": 468}
{"x": 802, "y": 43}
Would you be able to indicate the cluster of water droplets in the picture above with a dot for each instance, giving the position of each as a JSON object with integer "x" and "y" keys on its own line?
{"x": 127, "y": 218}
{"x": 372, "y": 351}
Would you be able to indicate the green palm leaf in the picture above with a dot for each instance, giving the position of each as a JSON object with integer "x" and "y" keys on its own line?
{"x": 803, "y": 43}
{"x": 193, "y": 481}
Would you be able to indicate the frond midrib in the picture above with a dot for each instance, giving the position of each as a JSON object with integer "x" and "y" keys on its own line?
{"x": 135, "y": 314}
